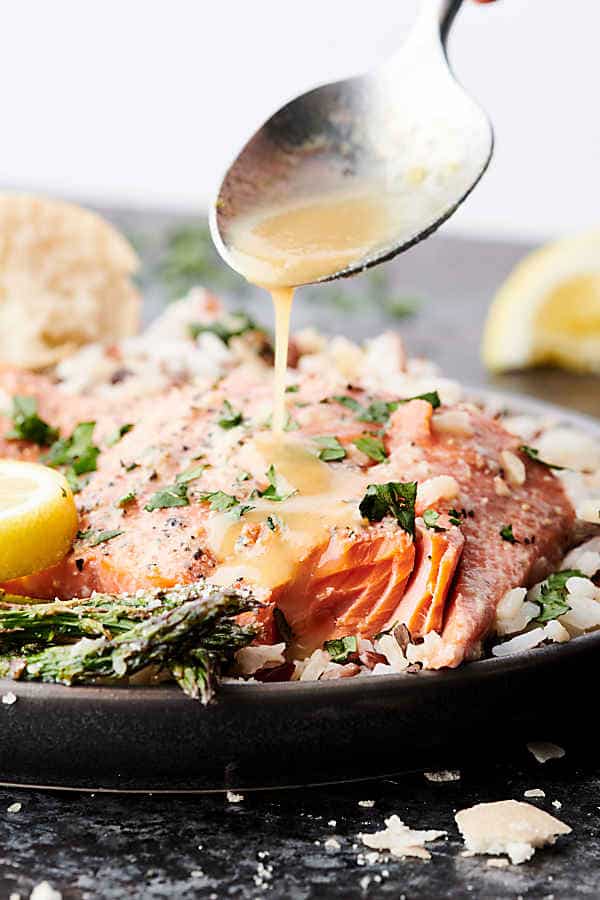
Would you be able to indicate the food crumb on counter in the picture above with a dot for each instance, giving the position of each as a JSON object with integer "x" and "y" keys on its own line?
{"x": 368, "y": 804}
{"x": 545, "y": 750}
{"x": 45, "y": 891}
{"x": 9, "y": 698}
{"x": 14, "y": 808}
{"x": 400, "y": 840}
{"x": 534, "y": 792}
{"x": 232, "y": 797}
{"x": 508, "y": 827}
{"x": 443, "y": 775}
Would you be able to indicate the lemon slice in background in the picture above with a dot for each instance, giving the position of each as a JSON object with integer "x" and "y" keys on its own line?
{"x": 547, "y": 312}
{"x": 38, "y": 518}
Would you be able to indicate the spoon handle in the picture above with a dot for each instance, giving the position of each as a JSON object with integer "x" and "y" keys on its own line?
{"x": 438, "y": 14}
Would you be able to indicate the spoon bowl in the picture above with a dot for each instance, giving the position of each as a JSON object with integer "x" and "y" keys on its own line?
{"x": 406, "y": 133}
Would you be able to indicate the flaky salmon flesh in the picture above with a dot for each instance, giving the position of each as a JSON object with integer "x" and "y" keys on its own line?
{"x": 189, "y": 484}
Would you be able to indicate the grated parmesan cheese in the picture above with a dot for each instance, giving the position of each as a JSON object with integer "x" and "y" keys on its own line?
{"x": 45, "y": 891}
{"x": 545, "y": 750}
{"x": 400, "y": 840}
{"x": 508, "y": 826}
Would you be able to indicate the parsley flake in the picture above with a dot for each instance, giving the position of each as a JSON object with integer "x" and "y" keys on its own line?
{"x": 116, "y": 436}
{"x": 98, "y": 537}
{"x": 331, "y": 449}
{"x": 379, "y": 411}
{"x": 506, "y": 533}
{"x": 372, "y": 447}
{"x": 454, "y": 516}
{"x": 230, "y": 326}
{"x": 340, "y": 649}
{"x": 272, "y": 492}
{"x": 534, "y": 454}
{"x": 189, "y": 474}
{"x": 554, "y": 594}
{"x": 77, "y": 454}
{"x": 431, "y": 518}
{"x": 219, "y": 501}
{"x": 394, "y": 498}
{"x": 172, "y": 495}
{"x": 229, "y": 417}
{"x": 27, "y": 425}
{"x": 125, "y": 499}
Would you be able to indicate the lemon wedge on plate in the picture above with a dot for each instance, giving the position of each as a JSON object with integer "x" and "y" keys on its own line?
{"x": 38, "y": 518}
{"x": 547, "y": 312}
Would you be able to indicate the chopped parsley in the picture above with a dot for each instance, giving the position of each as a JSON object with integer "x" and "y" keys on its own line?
{"x": 534, "y": 454}
{"x": 125, "y": 499}
{"x": 272, "y": 492}
{"x": 331, "y": 449}
{"x": 454, "y": 516}
{"x": 371, "y": 446}
{"x": 189, "y": 474}
{"x": 431, "y": 518}
{"x": 553, "y": 595}
{"x": 283, "y": 626}
{"x": 98, "y": 537}
{"x": 506, "y": 533}
{"x": 379, "y": 411}
{"x": 27, "y": 425}
{"x": 292, "y": 389}
{"x": 172, "y": 495}
{"x": 116, "y": 436}
{"x": 394, "y": 498}
{"x": 340, "y": 649}
{"x": 229, "y": 417}
{"x": 76, "y": 455}
{"x": 230, "y": 326}
{"x": 221, "y": 502}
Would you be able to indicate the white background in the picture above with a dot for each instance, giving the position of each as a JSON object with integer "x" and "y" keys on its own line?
{"x": 144, "y": 101}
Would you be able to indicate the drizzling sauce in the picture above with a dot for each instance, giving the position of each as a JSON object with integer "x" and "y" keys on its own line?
{"x": 279, "y": 249}
{"x": 304, "y": 242}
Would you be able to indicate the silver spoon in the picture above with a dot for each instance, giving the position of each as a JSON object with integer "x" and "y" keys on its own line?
{"x": 407, "y": 127}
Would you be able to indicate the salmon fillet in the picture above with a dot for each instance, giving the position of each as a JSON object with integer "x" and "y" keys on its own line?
{"x": 541, "y": 516}
{"x": 354, "y": 578}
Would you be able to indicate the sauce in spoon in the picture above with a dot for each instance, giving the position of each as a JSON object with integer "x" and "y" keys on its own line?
{"x": 304, "y": 242}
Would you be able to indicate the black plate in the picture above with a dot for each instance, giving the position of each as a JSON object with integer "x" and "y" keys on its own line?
{"x": 270, "y": 735}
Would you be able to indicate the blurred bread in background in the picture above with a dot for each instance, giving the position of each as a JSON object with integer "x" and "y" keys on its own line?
{"x": 65, "y": 281}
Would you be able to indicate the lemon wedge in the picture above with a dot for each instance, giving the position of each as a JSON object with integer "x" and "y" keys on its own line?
{"x": 547, "y": 312}
{"x": 38, "y": 518}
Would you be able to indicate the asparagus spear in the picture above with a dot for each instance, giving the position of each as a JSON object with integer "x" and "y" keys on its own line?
{"x": 191, "y": 637}
{"x": 24, "y": 620}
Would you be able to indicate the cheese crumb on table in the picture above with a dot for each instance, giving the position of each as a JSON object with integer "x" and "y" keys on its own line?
{"x": 45, "y": 891}
{"x": 234, "y": 798}
{"x": 14, "y": 808}
{"x": 545, "y": 750}
{"x": 443, "y": 775}
{"x": 400, "y": 840}
{"x": 508, "y": 826}
{"x": 366, "y": 803}
{"x": 534, "y": 792}
{"x": 9, "y": 698}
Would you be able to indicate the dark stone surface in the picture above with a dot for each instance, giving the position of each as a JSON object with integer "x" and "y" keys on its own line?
{"x": 106, "y": 846}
